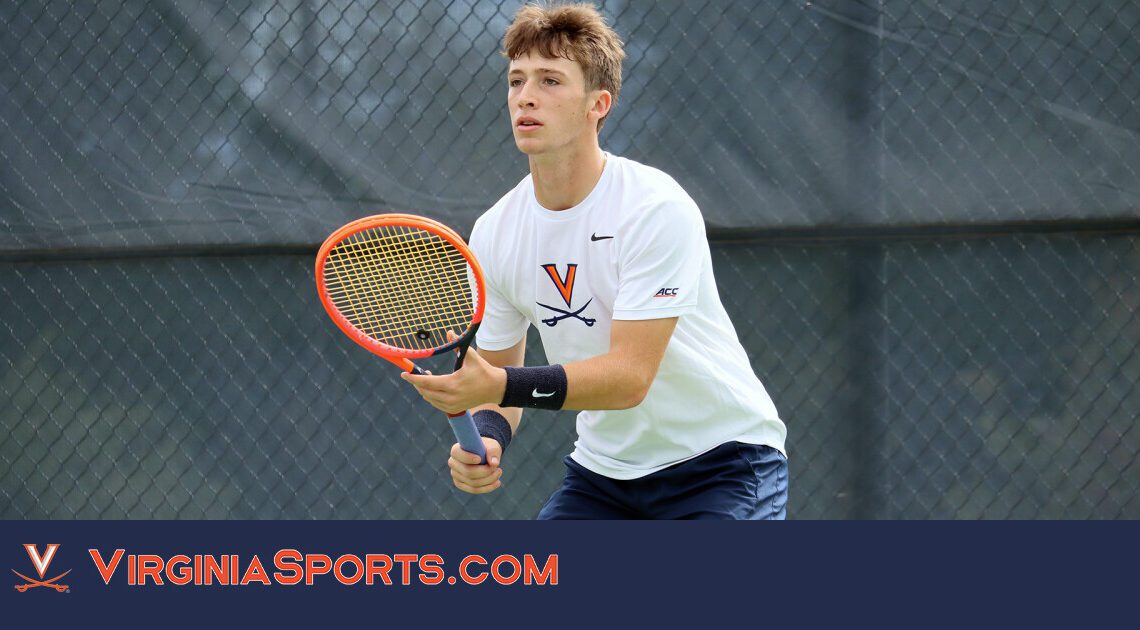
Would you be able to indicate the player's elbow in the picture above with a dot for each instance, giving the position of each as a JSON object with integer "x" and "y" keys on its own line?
{"x": 633, "y": 398}
{"x": 635, "y": 390}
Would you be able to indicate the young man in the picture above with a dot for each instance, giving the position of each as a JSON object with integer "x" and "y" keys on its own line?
{"x": 608, "y": 259}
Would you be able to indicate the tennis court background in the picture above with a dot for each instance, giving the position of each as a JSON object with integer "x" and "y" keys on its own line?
{"x": 924, "y": 220}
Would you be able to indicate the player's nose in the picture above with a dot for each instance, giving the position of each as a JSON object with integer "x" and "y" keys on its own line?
{"x": 524, "y": 99}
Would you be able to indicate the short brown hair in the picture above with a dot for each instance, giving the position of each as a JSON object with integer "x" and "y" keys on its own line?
{"x": 577, "y": 32}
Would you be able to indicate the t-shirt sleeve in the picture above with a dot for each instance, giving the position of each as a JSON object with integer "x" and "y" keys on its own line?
{"x": 503, "y": 325}
{"x": 660, "y": 262}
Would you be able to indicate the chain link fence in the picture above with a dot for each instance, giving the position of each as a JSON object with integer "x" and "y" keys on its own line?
{"x": 924, "y": 220}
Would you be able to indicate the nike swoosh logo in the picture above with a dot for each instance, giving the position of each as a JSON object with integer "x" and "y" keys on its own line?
{"x": 538, "y": 394}
{"x": 595, "y": 237}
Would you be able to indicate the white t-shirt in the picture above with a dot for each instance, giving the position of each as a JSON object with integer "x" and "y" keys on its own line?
{"x": 634, "y": 249}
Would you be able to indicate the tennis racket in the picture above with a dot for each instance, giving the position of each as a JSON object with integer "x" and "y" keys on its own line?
{"x": 395, "y": 284}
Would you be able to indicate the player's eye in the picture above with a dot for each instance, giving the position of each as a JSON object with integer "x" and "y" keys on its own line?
{"x": 514, "y": 82}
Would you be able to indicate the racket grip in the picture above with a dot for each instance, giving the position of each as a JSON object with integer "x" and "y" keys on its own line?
{"x": 467, "y": 435}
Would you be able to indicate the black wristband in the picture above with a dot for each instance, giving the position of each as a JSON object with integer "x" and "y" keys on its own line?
{"x": 542, "y": 387}
{"x": 492, "y": 424}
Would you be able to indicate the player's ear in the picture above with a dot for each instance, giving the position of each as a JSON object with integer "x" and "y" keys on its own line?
{"x": 601, "y": 105}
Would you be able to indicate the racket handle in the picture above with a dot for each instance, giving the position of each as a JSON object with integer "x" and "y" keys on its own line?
{"x": 467, "y": 435}
{"x": 463, "y": 426}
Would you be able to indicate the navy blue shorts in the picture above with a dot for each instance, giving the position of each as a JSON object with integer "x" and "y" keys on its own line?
{"x": 732, "y": 481}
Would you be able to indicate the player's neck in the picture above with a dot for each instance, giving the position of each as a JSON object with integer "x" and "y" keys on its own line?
{"x": 564, "y": 180}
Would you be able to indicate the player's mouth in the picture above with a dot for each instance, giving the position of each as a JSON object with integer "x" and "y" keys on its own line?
{"x": 526, "y": 123}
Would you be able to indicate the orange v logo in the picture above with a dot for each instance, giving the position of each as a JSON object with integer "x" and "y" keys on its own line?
{"x": 565, "y": 285}
{"x": 41, "y": 563}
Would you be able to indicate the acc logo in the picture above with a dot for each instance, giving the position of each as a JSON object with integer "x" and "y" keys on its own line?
{"x": 669, "y": 292}
{"x": 41, "y": 563}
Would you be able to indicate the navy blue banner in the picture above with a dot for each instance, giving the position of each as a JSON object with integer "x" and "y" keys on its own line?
{"x": 604, "y": 574}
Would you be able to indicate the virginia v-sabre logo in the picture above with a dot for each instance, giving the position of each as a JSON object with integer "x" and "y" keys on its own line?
{"x": 565, "y": 286}
{"x": 41, "y": 562}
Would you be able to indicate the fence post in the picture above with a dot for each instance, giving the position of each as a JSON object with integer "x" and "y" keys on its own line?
{"x": 861, "y": 98}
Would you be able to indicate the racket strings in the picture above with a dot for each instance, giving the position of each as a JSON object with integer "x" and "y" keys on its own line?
{"x": 409, "y": 304}
{"x": 435, "y": 274}
{"x": 403, "y": 286}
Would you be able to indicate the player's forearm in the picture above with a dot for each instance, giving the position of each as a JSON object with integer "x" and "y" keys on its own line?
{"x": 620, "y": 378}
{"x": 617, "y": 379}
{"x": 608, "y": 381}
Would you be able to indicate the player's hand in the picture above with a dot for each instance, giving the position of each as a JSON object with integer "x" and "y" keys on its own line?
{"x": 475, "y": 383}
{"x": 471, "y": 476}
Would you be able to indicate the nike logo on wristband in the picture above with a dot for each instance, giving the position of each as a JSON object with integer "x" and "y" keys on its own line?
{"x": 595, "y": 237}
{"x": 538, "y": 394}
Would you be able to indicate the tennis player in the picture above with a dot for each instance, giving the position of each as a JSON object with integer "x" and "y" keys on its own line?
{"x": 608, "y": 259}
